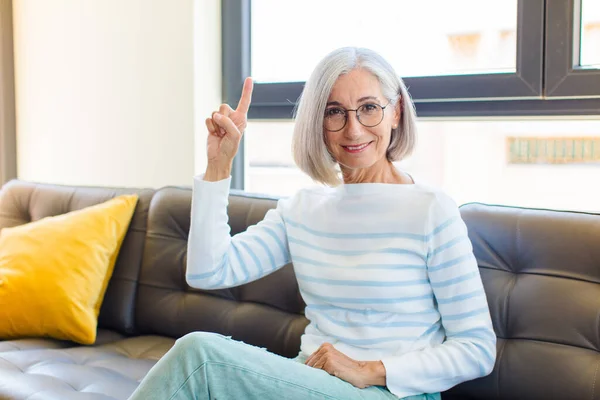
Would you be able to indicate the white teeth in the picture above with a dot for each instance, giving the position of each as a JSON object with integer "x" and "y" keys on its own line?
{"x": 357, "y": 147}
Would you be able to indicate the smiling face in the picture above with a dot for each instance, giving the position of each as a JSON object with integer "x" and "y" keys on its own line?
{"x": 360, "y": 149}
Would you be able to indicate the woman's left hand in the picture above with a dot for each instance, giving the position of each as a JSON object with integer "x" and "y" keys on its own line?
{"x": 361, "y": 374}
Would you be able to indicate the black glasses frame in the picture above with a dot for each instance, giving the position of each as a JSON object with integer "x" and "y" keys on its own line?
{"x": 358, "y": 115}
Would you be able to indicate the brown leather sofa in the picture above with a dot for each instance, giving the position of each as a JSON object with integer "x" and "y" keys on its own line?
{"x": 541, "y": 271}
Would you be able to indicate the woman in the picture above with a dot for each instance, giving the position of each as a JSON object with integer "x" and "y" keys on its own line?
{"x": 393, "y": 292}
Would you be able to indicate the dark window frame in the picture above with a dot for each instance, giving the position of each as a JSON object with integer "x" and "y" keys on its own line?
{"x": 235, "y": 34}
{"x": 563, "y": 76}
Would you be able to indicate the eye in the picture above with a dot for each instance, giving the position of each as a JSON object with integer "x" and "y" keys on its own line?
{"x": 369, "y": 107}
{"x": 334, "y": 111}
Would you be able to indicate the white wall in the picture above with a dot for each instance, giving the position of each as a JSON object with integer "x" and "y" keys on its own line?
{"x": 207, "y": 61}
{"x": 105, "y": 89}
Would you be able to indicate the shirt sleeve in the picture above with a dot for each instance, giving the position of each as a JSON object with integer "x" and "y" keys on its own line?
{"x": 469, "y": 350}
{"x": 215, "y": 259}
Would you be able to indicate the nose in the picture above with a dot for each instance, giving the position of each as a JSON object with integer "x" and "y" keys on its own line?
{"x": 353, "y": 127}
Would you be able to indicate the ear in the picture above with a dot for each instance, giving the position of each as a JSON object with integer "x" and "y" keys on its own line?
{"x": 398, "y": 112}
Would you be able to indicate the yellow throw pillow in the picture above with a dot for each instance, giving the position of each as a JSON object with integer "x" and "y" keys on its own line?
{"x": 54, "y": 272}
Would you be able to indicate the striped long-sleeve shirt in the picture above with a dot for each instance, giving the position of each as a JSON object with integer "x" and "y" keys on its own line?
{"x": 387, "y": 273}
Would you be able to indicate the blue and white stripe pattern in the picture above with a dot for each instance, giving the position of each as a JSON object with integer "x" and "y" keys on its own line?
{"x": 387, "y": 273}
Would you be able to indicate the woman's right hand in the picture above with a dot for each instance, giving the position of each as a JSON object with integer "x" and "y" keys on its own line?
{"x": 225, "y": 129}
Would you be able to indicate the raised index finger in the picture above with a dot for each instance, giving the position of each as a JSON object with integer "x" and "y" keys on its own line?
{"x": 244, "y": 103}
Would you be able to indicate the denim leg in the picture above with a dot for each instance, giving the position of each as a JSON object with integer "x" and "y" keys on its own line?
{"x": 211, "y": 366}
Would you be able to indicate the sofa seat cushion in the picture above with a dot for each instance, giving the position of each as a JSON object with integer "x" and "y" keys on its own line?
{"x": 103, "y": 336}
{"x": 108, "y": 371}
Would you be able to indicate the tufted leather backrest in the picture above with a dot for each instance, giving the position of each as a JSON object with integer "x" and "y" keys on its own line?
{"x": 541, "y": 272}
{"x": 22, "y": 202}
{"x": 266, "y": 313}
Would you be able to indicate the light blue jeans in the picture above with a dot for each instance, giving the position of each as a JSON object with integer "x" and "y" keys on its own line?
{"x": 205, "y": 365}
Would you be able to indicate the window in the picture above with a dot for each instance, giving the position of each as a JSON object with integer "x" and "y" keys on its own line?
{"x": 463, "y": 59}
{"x": 516, "y": 61}
{"x": 472, "y": 160}
{"x": 532, "y": 68}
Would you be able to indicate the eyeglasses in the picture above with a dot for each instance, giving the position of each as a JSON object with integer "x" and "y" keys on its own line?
{"x": 369, "y": 115}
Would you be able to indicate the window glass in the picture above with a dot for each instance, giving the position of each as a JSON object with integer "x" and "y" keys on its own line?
{"x": 419, "y": 38}
{"x": 546, "y": 163}
{"x": 590, "y": 34}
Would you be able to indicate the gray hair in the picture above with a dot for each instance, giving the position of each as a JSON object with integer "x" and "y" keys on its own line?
{"x": 308, "y": 144}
